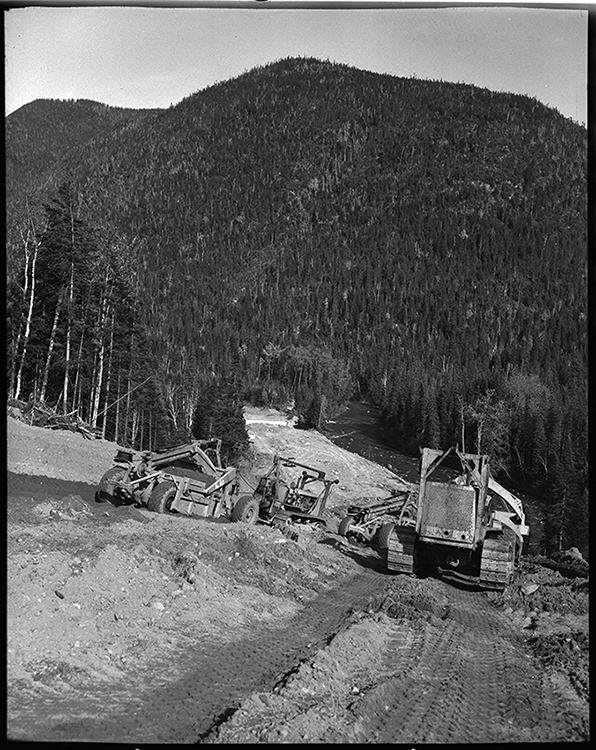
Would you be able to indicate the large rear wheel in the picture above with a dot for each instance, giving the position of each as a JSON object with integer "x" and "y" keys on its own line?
{"x": 162, "y": 497}
{"x": 246, "y": 510}
{"x": 104, "y": 493}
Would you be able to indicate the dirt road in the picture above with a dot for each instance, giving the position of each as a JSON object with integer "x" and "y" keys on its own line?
{"x": 448, "y": 668}
{"x": 128, "y": 626}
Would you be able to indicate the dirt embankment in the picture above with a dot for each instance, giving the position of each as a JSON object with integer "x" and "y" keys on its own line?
{"x": 125, "y": 625}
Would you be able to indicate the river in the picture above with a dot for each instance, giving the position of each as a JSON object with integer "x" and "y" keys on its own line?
{"x": 357, "y": 430}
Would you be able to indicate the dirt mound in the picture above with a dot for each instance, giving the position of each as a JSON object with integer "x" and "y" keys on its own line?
{"x": 56, "y": 453}
{"x": 103, "y": 596}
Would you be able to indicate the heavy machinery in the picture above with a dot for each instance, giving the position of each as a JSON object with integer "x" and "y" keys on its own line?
{"x": 285, "y": 501}
{"x": 187, "y": 479}
{"x": 363, "y": 523}
{"x": 469, "y": 529}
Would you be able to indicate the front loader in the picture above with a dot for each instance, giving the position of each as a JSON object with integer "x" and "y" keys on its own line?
{"x": 470, "y": 529}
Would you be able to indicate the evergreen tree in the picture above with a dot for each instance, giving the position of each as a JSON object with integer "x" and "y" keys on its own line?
{"x": 203, "y": 418}
{"x": 219, "y": 415}
{"x": 228, "y": 421}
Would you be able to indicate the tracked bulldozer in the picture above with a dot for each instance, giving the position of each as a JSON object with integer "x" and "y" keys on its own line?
{"x": 188, "y": 479}
{"x": 470, "y": 529}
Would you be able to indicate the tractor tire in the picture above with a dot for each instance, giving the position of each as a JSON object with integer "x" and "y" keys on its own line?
{"x": 344, "y": 525}
{"x": 103, "y": 495}
{"x": 161, "y": 497}
{"x": 246, "y": 510}
{"x": 384, "y": 535}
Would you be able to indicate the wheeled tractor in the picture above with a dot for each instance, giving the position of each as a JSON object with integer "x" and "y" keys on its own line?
{"x": 296, "y": 501}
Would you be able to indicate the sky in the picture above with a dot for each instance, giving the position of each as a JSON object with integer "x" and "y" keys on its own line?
{"x": 155, "y": 56}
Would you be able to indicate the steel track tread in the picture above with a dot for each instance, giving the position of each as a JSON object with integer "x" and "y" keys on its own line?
{"x": 497, "y": 560}
{"x": 400, "y": 552}
{"x": 467, "y": 680}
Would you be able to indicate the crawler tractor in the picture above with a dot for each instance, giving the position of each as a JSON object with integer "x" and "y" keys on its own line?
{"x": 282, "y": 501}
{"x": 188, "y": 479}
{"x": 470, "y": 529}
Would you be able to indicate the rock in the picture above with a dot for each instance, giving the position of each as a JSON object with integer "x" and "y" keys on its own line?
{"x": 158, "y": 606}
{"x": 529, "y": 588}
{"x": 574, "y": 554}
{"x": 445, "y": 611}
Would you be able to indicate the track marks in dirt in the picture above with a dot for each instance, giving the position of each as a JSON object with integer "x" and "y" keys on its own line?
{"x": 467, "y": 679}
{"x": 217, "y": 677}
{"x": 262, "y": 663}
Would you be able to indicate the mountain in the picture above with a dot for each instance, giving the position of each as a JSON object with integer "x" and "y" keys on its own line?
{"x": 314, "y": 230}
{"x": 41, "y": 135}
{"x": 43, "y": 139}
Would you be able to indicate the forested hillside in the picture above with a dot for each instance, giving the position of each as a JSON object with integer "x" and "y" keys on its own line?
{"x": 311, "y": 232}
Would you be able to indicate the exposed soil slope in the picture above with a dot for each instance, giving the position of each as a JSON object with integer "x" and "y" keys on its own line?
{"x": 124, "y": 625}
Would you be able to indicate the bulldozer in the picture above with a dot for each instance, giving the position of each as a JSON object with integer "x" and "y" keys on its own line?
{"x": 469, "y": 529}
{"x": 282, "y": 501}
{"x": 188, "y": 479}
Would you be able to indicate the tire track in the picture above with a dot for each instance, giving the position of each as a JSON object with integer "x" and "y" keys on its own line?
{"x": 216, "y": 678}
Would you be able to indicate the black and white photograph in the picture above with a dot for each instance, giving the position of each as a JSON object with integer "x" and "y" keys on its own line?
{"x": 297, "y": 372}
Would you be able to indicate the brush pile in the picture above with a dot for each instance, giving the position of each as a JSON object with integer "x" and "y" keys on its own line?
{"x": 39, "y": 414}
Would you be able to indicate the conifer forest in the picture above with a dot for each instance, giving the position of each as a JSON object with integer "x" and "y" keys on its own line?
{"x": 306, "y": 234}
